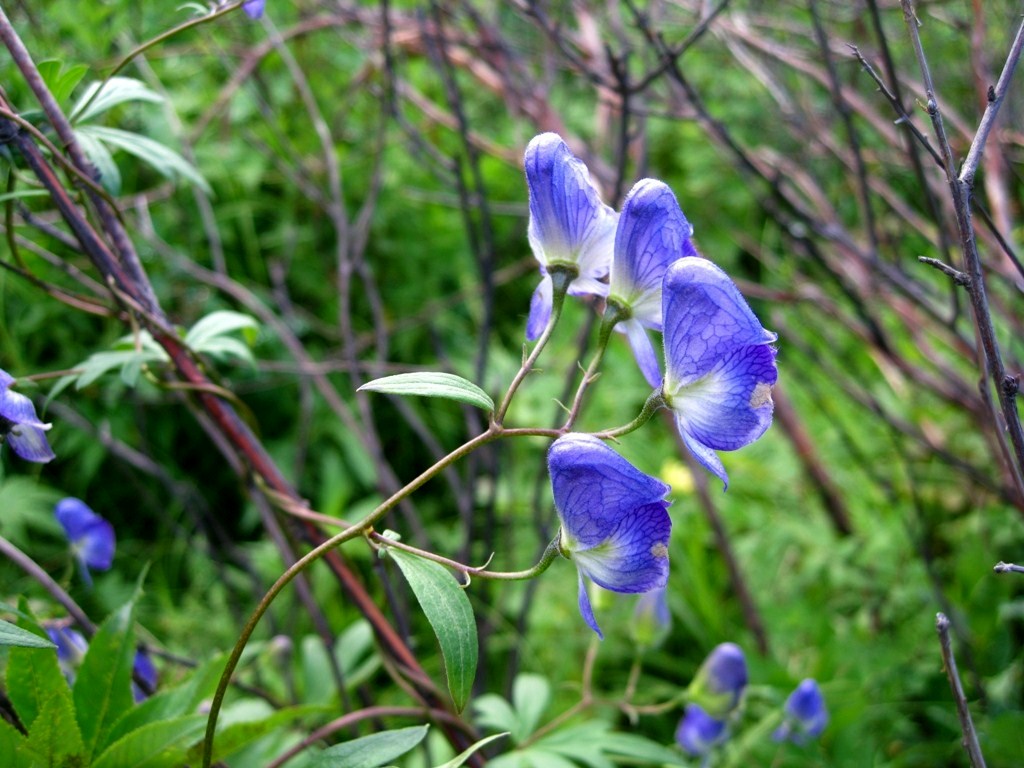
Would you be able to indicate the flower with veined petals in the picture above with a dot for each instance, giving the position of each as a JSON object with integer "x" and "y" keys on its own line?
{"x": 570, "y": 228}
{"x": 19, "y": 425}
{"x": 721, "y": 680}
{"x": 719, "y": 362}
{"x": 615, "y": 523}
{"x": 254, "y": 8}
{"x": 652, "y": 234}
{"x": 698, "y": 732}
{"x": 805, "y": 714}
{"x": 91, "y": 537}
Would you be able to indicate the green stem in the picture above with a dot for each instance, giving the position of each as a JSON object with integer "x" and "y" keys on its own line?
{"x": 471, "y": 571}
{"x": 614, "y": 313}
{"x": 653, "y": 404}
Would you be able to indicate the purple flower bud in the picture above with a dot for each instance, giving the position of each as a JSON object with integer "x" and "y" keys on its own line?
{"x": 651, "y": 617}
{"x": 71, "y": 648}
{"x": 652, "y": 233}
{"x": 615, "y": 523}
{"x": 569, "y": 228}
{"x": 143, "y": 669}
{"x": 719, "y": 362}
{"x": 804, "y": 715}
{"x": 254, "y": 8}
{"x": 721, "y": 680}
{"x": 91, "y": 537}
{"x": 698, "y": 732}
{"x": 19, "y": 425}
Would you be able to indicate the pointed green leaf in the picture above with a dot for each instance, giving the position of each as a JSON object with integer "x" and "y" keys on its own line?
{"x": 162, "y": 158}
{"x": 53, "y": 738}
{"x": 161, "y": 744}
{"x": 102, "y": 687}
{"x": 448, "y": 610}
{"x": 33, "y": 677}
{"x": 371, "y": 751}
{"x": 99, "y": 156}
{"x": 462, "y": 757}
{"x": 234, "y": 736}
{"x": 11, "y": 741}
{"x": 432, "y": 384}
{"x": 116, "y": 90}
{"x": 217, "y": 324}
{"x": 11, "y": 634}
{"x": 60, "y": 80}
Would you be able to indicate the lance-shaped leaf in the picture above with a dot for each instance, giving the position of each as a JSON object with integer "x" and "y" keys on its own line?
{"x": 371, "y": 751}
{"x": 12, "y": 634}
{"x": 432, "y": 384}
{"x": 448, "y": 610}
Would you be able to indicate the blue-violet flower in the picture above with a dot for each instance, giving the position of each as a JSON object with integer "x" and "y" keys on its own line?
{"x": 91, "y": 537}
{"x": 615, "y": 523}
{"x": 71, "y": 648}
{"x": 719, "y": 362}
{"x": 805, "y": 715}
{"x": 20, "y": 426}
{"x": 143, "y": 669}
{"x": 254, "y": 8}
{"x": 720, "y": 680}
{"x": 652, "y": 234}
{"x": 698, "y": 732}
{"x": 570, "y": 228}
{"x": 651, "y": 618}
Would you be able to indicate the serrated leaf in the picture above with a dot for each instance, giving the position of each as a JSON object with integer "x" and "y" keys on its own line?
{"x": 33, "y": 677}
{"x": 160, "y": 744}
{"x": 461, "y": 758}
{"x": 448, "y": 610}
{"x": 162, "y": 158}
{"x": 432, "y": 384}
{"x": 53, "y": 738}
{"x": 116, "y": 90}
{"x": 102, "y": 689}
{"x": 372, "y": 751}
{"x": 11, "y": 634}
{"x": 11, "y": 740}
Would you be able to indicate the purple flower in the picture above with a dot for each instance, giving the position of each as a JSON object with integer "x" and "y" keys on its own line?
{"x": 719, "y": 362}
{"x": 254, "y": 8}
{"x": 651, "y": 617}
{"x": 721, "y": 680}
{"x": 805, "y": 715}
{"x": 91, "y": 537}
{"x": 698, "y": 733}
{"x": 20, "y": 426}
{"x": 570, "y": 229}
{"x": 144, "y": 670}
{"x": 652, "y": 234}
{"x": 71, "y": 648}
{"x": 615, "y": 523}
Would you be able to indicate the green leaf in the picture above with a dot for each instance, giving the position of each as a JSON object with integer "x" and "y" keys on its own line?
{"x": 531, "y": 695}
{"x": 448, "y": 610}
{"x": 642, "y": 750}
{"x": 59, "y": 80}
{"x": 11, "y": 634}
{"x": 116, "y": 90}
{"x": 162, "y": 158}
{"x": 461, "y": 758}
{"x": 216, "y": 324}
{"x": 11, "y": 741}
{"x": 33, "y": 677}
{"x": 102, "y": 687}
{"x": 235, "y": 736}
{"x": 371, "y": 751}
{"x": 99, "y": 155}
{"x": 53, "y": 738}
{"x": 432, "y": 384}
{"x": 160, "y": 744}
{"x": 23, "y": 193}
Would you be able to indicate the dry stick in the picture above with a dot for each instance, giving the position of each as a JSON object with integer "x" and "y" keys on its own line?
{"x": 960, "y": 188}
{"x": 970, "y": 740}
{"x": 30, "y": 567}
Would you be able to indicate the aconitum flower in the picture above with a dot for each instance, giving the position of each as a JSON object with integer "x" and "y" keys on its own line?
{"x": 721, "y": 680}
{"x": 71, "y": 648}
{"x": 719, "y": 362}
{"x": 615, "y": 523}
{"x": 91, "y": 537}
{"x": 570, "y": 229}
{"x": 254, "y": 8}
{"x": 698, "y": 733}
{"x": 652, "y": 233}
{"x": 20, "y": 426}
{"x": 805, "y": 715}
{"x": 143, "y": 669}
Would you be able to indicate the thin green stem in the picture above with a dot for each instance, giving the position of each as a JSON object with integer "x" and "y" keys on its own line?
{"x": 479, "y": 572}
{"x": 614, "y": 313}
{"x": 653, "y": 404}
{"x": 561, "y": 280}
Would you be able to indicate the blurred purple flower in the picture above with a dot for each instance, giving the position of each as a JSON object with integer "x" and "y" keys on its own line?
{"x": 20, "y": 426}
{"x": 91, "y": 537}
{"x": 652, "y": 233}
{"x": 651, "y": 617}
{"x": 144, "y": 670}
{"x": 721, "y": 680}
{"x": 805, "y": 715}
{"x": 698, "y": 733}
{"x": 570, "y": 228}
{"x": 720, "y": 365}
{"x": 615, "y": 523}
{"x": 254, "y": 8}
{"x": 71, "y": 648}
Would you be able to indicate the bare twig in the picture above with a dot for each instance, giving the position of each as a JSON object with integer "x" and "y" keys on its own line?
{"x": 970, "y": 736}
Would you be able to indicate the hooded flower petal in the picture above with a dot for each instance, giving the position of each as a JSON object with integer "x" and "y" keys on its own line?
{"x": 91, "y": 537}
{"x": 698, "y": 732}
{"x": 20, "y": 426}
{"x": 569, "y": 225}
{"x": 254, "y": 8}
{"x": 720, "y": 369}
{"x": 721, "y": 680}
{"x": 805, "y": 714}
{"x": 615, "y": 524}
